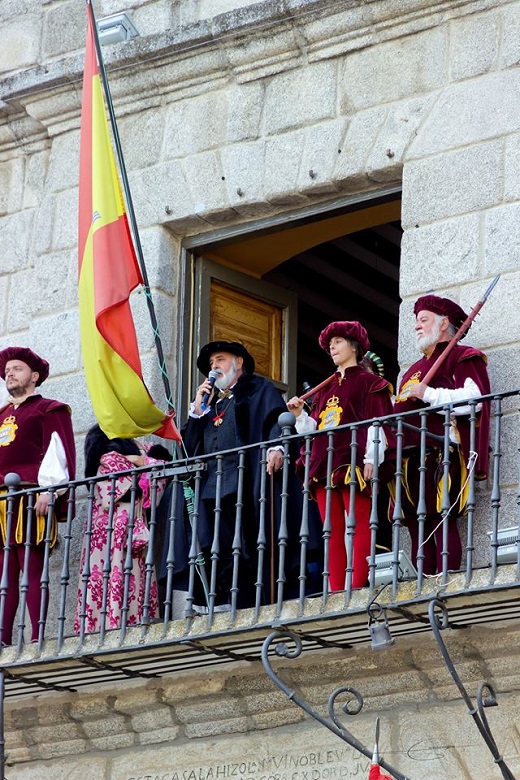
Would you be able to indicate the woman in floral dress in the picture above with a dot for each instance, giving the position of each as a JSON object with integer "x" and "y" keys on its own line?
{"x": 108, "y": 456}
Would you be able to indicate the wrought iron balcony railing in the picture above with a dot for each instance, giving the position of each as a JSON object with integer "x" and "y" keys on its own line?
{"x": 261, "y": 543}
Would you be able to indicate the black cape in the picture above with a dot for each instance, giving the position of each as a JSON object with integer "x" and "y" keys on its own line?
{"x": 258, "y": 405}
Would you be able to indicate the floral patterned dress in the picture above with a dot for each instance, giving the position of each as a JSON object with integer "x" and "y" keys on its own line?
{"x": 110, "y": 463}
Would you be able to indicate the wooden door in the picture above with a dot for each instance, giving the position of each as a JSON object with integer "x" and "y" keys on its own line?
{"x": 236, "y": 307}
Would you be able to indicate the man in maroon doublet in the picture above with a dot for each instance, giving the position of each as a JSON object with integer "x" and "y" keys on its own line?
{"x": 37, "y": 443}
{"x": 461, "y": 377}
{"x": 353, "y": 394}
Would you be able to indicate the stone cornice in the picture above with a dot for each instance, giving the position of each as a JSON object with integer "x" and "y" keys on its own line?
{"x": 239, "y": 46}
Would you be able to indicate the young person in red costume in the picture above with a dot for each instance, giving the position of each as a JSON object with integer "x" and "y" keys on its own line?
{"x": 37, "y": 443}
{"x": 462, "y": 377}
{"x": 354, "y": 394}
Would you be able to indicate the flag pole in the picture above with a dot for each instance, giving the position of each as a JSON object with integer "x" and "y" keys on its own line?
{"x": 131, "y": 212}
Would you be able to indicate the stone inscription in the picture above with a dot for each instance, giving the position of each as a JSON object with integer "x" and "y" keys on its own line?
{"x": 336, "y": 764}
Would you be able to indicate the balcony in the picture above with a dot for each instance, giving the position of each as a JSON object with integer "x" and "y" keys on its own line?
{"x": 283, "y": 583}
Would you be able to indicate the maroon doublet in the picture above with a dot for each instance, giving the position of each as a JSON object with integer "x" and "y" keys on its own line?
{"x": 358, "y": 395}
{"x": 462, "y": 363}
{"x": 25, "y": 435}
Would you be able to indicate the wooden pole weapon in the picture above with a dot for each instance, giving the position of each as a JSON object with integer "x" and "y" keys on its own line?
{"x": 459, "y": 334}
{"x": 317, "y": 388}
{"x": 442, "y": 357}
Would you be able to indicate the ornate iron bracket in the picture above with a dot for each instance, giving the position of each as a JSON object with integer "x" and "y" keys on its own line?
{"x": 352, "y": 706}
{"x": 486, "y": 696}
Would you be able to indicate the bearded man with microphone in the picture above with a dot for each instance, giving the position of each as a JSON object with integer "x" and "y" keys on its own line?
{"x": 233, "y": 407}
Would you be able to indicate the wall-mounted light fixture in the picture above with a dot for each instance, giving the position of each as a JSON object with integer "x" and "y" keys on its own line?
{"x": 384, "y": 571}
{"x": 381, "y": 638}
{"x": 506, "y": 544}
{"x": 116, "y": 29}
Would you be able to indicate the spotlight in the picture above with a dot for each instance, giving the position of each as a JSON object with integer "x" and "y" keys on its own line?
{"x": 115, "y": 29}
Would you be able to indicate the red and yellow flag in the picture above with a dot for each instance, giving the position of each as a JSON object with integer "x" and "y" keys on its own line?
{"x": 108, "y": 272}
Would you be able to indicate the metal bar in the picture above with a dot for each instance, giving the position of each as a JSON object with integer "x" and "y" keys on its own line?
{"x": 327, "y": 526}
{"x": 304, "y": 526}
{"x": 150, "y": 581}
{"x": 421, "y": 503}
{"x": 24, "y": 583}
{"x": 433, "y": 436}
{"x": 351, "y": 518}
{"x": 170, "y": 554}
{"x": 333, "y": 723}
{"x": 495, "y": 489}
{"x": 194, "y": 554}
{"x": 81, "y": 609}
{"x": 438, "y": 624}
{"x": 397, "y": 516}
{"x": 216, "y": 547}
{"x": 374, "y": 518}
{"x": 445, "y": 502}
{"x": 472, "y": 500}
{"x": 107, "y": 562}
{"x": 261, "y": 540}
{"x": 283, "y": 533}
{"x": 65, "y": 568}
{"x": 237, "y": 538}
{"x": 129, "y": 558}
{"x": 45, "y": 578}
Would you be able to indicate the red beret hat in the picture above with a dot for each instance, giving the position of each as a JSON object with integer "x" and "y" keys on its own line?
{"x": 350, "y": 330}
{"x": 26, "y": 355}
{"x": 443, "y": 306}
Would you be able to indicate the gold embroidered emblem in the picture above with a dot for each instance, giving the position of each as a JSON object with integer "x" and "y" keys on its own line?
{"x": 405, "y": 389}
{"x": 330, "y": 417}
{"x": 8, "y": 431}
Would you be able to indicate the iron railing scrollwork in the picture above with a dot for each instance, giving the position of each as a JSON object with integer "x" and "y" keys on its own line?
{"x": 352, "y": 706}
{"x": 486, "y": 696}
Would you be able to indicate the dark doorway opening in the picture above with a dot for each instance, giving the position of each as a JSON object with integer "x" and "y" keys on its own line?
{"x": 353, "y": 277}
{"x": 335, "y": 262}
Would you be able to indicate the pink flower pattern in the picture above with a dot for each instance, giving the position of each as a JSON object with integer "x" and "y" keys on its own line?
{"x": 110, "y": 463}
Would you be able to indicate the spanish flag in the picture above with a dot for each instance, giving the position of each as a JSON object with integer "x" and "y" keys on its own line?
{"x": 108, "y": 272}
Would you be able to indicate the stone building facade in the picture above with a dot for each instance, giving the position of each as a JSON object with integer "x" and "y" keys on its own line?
{"x": 240, "y": 119}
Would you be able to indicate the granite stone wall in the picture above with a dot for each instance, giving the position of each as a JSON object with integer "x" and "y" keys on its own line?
{"x": 224, "y": 108}
{"x": 232, "y": 722}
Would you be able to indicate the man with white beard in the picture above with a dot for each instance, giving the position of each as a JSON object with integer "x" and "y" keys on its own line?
{"x": 461, "y": 377}
{"x": 242, "y": 409}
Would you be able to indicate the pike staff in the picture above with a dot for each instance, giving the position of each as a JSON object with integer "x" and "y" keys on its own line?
{"x": 460, "y": 333}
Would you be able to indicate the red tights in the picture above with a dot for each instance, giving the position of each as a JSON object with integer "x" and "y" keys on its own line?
{"x": 339, "y": 505}
{"x": 14, "y": 569}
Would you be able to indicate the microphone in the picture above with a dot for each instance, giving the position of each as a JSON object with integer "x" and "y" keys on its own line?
{"x": 212, "y": 376}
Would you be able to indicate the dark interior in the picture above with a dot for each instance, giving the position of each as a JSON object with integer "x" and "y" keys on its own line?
{"x": 354, "y": 277}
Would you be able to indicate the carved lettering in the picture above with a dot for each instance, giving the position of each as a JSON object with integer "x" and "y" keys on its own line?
{"x": 314, "y": 765}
